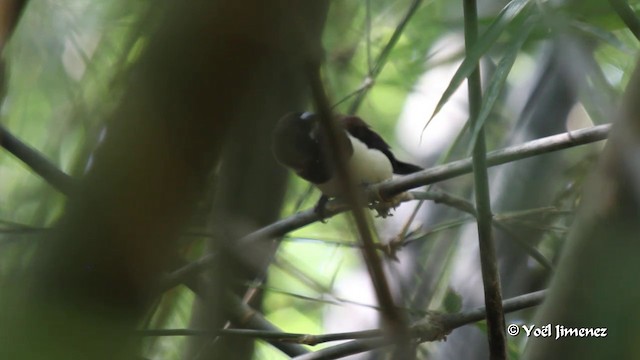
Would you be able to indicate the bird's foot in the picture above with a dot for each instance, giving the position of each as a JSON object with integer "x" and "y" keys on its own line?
{"x": 383, "y": 210}
{"x": 321, "y": 208}
{"x": 383, "y": 204}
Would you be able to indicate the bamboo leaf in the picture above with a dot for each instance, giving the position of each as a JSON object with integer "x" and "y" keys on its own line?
{"x": 603, "y": 35}
{"x": 512, "y": 11}
{"x": 498, "y": 80}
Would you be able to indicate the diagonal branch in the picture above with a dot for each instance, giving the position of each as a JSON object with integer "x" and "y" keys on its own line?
{"x": 241, "y": 314}
{"x": 441, "y": 197}
{"x": 10, "y": 13}
{"x": 392, "y": 315}
{"x": 381, "y": 61}
{"x": 36, "y": 162}
{"x": 627, "y": 15}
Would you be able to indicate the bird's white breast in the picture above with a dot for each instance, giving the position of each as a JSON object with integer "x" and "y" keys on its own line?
{"x": 367, "y": 166}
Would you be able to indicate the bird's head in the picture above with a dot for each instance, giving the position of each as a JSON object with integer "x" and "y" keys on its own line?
{"x": 296, "y": 141}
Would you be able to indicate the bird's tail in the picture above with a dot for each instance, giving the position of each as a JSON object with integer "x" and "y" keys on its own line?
{"x": 403, "y": 168}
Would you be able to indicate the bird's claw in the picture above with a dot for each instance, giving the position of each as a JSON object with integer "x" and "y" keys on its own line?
{"x": 382, "y": 204}
{"x": 383, "y": 210}
{"x": 321, "y": 208}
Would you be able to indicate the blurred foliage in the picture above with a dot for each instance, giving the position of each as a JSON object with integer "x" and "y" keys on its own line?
{"x": 68, "y": 60}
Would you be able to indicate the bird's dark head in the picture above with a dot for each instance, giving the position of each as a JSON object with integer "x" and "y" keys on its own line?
{"x": 296, "y": 141}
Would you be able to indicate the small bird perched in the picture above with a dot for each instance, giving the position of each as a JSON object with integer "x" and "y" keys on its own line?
{"x": 300, "y": 144}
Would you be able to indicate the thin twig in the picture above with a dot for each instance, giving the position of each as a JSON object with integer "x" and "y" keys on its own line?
{"x": 367, "y": 29}
{"x": 528, "y": 248}
{"x": 391, "y": 314}
{"x": 467, "y": 207}
{"x": 29, "y": 156}
{"x": 423, "y": 235}
{"x": 441, "y": 197}
{"x": 242, "y": 315}
{"x": 381, "y": 61}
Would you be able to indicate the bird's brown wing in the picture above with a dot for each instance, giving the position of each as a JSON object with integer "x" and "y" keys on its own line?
{"x": 360, "y": 130}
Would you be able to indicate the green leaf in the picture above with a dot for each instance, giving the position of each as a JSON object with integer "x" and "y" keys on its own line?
{"x": 601, "y": 34}
{"x": 498, "y": 80}
{"x": 507, "y": 15}
{"x": 452, "y": 302}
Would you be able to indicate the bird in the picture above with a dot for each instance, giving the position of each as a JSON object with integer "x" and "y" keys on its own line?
{"x": 299, "y": 143}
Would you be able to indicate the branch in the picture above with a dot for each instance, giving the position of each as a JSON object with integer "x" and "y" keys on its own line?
{"x": 393, "y": 317}
{"x": 395, "y": 186}
{"x": 10, "y": 14}
{"x": 245, "y": 316}
{"x": 435, "y": 327}
{"x": 424, "y": 330}
{"x": 441, "y": 197}
{"x": 242, "y": 315}
{"x": 627, "y": 15}
{"x": 463, "y": 205}
{"x": 37, "y": 162}
{"x": 497, "y": 157}
{"x": 296, "y": 338}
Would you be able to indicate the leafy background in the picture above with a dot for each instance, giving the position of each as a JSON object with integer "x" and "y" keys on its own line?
{"x": 547, "y": 67}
